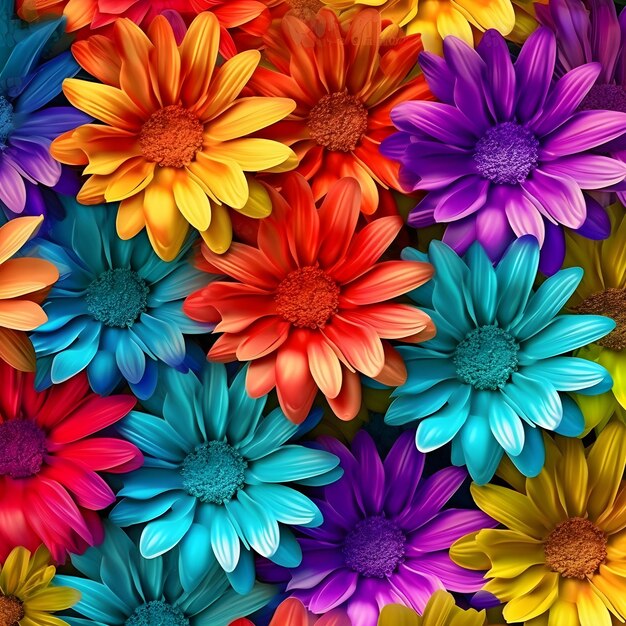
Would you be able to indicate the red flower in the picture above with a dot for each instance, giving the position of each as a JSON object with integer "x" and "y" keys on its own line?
{"x": 308, "y": 306}
{"x": 49, "y": 486}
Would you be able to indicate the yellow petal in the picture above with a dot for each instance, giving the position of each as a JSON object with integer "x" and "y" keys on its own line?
{"x": 591, "y": 610}
{"x": 38, "y": 618}
{"x": 259, "y": 204}
{"x": 561, "y": 613}
{"x": 92, "y": 191}
{"x": 572, "y": 476}
{"x": 398, "y": 615}
{"x": 130, "y": 219}
{"x": 451, "y": 22}
{"x": 224, "y": 177}
{"x": 14, "y": 234}
{"x": 485, "y": 14}
{"x": 467, "y": 553}
{"x": 192, "y": 202}
{"x": 253, "y": 155}
{"x": 535, "y": 602}
{"x": 14, "y": 570}
{"x": 219, "y": 235}
{"x": 54, "y": 599}
{"x": 129, "y": 179}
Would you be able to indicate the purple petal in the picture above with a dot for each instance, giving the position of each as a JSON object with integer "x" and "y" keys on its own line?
{"x": 571, "y": 22}
{"x": 395, "y": 146}
{"x": 315, "y": 566}
{"x": 437, "y": 165}
{"x": 461, "y": 235}
{"x": 362, "y": 608}
{"x": 493, "y": 230}
{"x": 12, "y": 188}
{"x": 438, "y": 76}
{"x": 371, "y": 475}
{"x": 335, "y": 590}
{"x": 35, "y": 160}
{"x": 523, "y": 216}
{"x": 52, "y": 122}
{"x": 416, "y": 587}
{"x": 500, "y": 73}
{"x": 553, "y": 250}
{"x": 590, "y": 171}
{"x": 597, "y": 225}
{"x": 620, "y": 70}
{"x": 534, "y": 69}
{"x": 462, "y": 198}
{"x": 423, "y": 214}
{"x": 605, "y": 36}
{"x": 452, "y": 576}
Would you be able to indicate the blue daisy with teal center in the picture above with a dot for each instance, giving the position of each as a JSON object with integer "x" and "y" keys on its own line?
{"x": 116, "y": 310}
{"x": 499, "y": 370}
{"x": 119, "y": 587}
{"x": 221, "y": 478}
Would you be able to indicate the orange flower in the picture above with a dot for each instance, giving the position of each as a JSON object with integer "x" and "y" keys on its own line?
{"x": 174, "y": 147}
{"x": 291, "y": 612}
{"x": 23, "y": 283}
{"x": 308, "y": 307}
{"x": 345, "y": 80}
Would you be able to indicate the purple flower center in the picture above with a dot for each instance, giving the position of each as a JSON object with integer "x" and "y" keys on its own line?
{"x": 507, "y": 154}
{"x": 374, "y": 548}
{"x": 6, "y": 121}
{"x": 605, "y": 98}
{"x": 22, "y": 447}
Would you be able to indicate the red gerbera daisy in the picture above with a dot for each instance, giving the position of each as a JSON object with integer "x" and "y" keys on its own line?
{"x": 308, "y": 306}
{"x": 49, "y": 486}
{"x": 345, "y": 79}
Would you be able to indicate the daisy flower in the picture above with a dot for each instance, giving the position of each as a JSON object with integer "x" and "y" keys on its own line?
{"x": 560, "y": 557}
{"x": 50, "y": 488}
{"x": 291, "y": 612}
{"x": 27, "y": 597}
{"x": 385, "y": 537}
{"x": 23, "y": 285}
{"x": 117, "y": 311}
{"x": 506, "y": 152}
{"x": 220, "y": 479}
{"x": 309, "y": 307}
{"x": 173, "y": 147}
{"x": 494, "y": 375}
{"x": 27, "y": 123}
{"x": 342, "y": 98}
{"x": 122, "y": 588}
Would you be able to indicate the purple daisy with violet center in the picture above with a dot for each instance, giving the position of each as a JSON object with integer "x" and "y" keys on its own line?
{"x": 506, "y": 152}
{"x": 385, "y": 537}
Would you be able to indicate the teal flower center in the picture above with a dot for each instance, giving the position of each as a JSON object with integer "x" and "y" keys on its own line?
{"x": 157, "y": 613}
{"x": 486, "y": 358}
{"x": 117, "y": 298}
{"x": 507, "y": 154}
{"x": 214, "y": 472}
{"x": 6, "y": 121}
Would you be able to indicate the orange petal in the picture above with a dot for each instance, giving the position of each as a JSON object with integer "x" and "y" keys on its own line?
{"x": 66, "y": 148}
{"x": 130, "y": 178}
{"x": 394, "y": 371}
{"x": 362, "y": 46}
{"x": 262, "y": 338}
{"x": 92, "y": 192}
{"x": 164, "y": 60}
{"x": 14, "y": 234}
{"x": 24, "y": 275}
{"x": 224, "y": 177}
{"x": 130, "y": 219}
{"x": 191, "y": 200}
{"x": 99, "y": 56}
{"x": 348, "y": 402}
{"x": 261, "y": 376}
{"x": 391, "y": 321}
{"x": 17, "y": 350}
{"x": 324, "y": 365}
{"x": 21, "y": 315}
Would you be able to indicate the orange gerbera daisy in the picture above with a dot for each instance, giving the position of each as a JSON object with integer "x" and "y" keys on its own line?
{"x": 174, "y": 147}
{"x": 308, "y": 306}
{"x": 345, "y": 81}
{"x": 23, "y": 284}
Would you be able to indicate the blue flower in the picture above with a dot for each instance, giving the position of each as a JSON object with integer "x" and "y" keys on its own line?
{"x": 121, "y": 588}
{"x": 216, "y": 475}
{"x": 117, "y": 308}
{"x": 494, "y": 374}
{"x": 27, "y": 125}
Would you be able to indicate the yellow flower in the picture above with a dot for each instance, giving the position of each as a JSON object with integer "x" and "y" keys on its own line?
{"x": 603, "y": 290}
{"x": 466, "y": 19}
{"x": 561, "y": 558}
{"x": 175, "y": 147}
{"x": 26, "y": 596}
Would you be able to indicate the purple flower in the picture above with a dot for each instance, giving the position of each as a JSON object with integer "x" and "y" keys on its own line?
{"x": 506, "y": 152}
{"x": 385, "y": 538}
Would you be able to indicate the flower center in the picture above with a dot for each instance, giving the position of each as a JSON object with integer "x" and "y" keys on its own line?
{"x": 11, "y": 610}
{"x": 606, "y": 98}
{"x": 304, "y": 9}
{"x": 171, "y": 137}
{"x": 307, "y": 297}
{"x": 22, "y": 448}
{"x": 486, "y": 358}
{"x": 6, "y": 121}
{"x": 117, "y": 298}
{"x": 507, "y": 154}
{"x": 374, "y": 548}
{"x": 575, "y": 548}
{"x": 611, "y": 303}
{"x": 338, "y": 122}
{"x": 214, "y": 472}
{"x": 157, "y": 613}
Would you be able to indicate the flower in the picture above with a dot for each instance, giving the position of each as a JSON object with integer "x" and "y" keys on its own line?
{"x": 308, "y": 306}
{"x": 441, "y": 610}
{"x": 602, "y": 290}
{"x": 26, "y": 595}
{"x": 27, "y": 124}
{"x": 291, "y": 612}
{"x": 49, "y": 486}
{"x": 122, "y": 588}
{"x": 343, "y": 98}
{"x": 173, "y": 147}
{"x": 23, "y": 282}
{"x": 560, "y": 558}
{"x": 591, "y": 34}
{"x": 217, "y": 478}
{"x": 385, "y": 539}
{"x": 117, "y": 309}
{"x": 495, "y": 373}
{"x": 498, "y": 165}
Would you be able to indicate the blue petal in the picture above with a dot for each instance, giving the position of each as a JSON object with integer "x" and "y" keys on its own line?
{"x": 247, "y": 409}
{"x": 567, "y": 373}
{"x": 163, "y": 534}
{"x": 292, "y": 463}
{"x": 422, "y": 295}
{"x": 75, "y": 359}
{"x": 165, "y": 340}
{"x": 224, "y": 537}
{"x": 573, "y": 422}
{"x": 538, "y": 402}
{"x": 103, "y": 373}
{"x": 530, "y": 461}
{"x": 97, "y": 601}
{"x": 482, "y": 451}
{"x": 273, "y": 431}
{"x": 506, "y": 425}
{"x": 286, "y": 505}
{"x": 146, "y": 386}
{"x": 215, "y": 400}
{"x": 232, "y": 605}
{"x": 130, "y": 359}
{"x": 289, "y": 553}
{"x": 128, "y": 512}
{"x": 482, "y": 284}
{"x": 149, "y": 482}
{"x": 405, "y": 409}
{"x": 242, "y": 577}
{"x": 195, "y": 556}
{"x": 426, "y": 373}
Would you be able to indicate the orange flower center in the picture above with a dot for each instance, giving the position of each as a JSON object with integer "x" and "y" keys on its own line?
{"x": 611, "y": 303}
{"x": 304, "y": 9}
{"x": 575, "y": 548}
{"x": 11, "y": 610}
{"x": 307, "y": 297}
{"x": 171, "y": 137}
{"x": 338, "y": 122}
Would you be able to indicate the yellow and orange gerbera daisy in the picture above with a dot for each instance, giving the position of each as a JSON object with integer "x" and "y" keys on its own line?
{"x": 23, "y": 284}
{"x": 175, "y": 146}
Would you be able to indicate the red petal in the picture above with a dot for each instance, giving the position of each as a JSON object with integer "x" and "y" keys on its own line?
{"x": 263, "y": 337}
{"x": 324, "y": 365}
{"x": 261, "y": 376}
{"x": 102, "y": 453}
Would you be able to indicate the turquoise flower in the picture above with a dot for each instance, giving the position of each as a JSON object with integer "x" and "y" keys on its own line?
{"x": 121, "y": 588}
{"x": 216, "y": 475}
{"x": 116, "y": 310}
{"x": 494, "y": 375}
